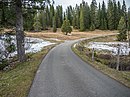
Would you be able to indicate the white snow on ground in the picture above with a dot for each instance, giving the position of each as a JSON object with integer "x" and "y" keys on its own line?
{"x": 32, "y": 45}
{"x": 110, "y": 46}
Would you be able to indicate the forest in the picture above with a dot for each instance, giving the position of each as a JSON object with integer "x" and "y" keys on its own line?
{"x": 83, "y": 17}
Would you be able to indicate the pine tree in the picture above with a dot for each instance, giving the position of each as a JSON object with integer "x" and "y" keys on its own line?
{"x": 77, "y": 17}
{"x": 119, "y": 12}
{"x": 122, "y": 36}
{"x": 115, "y": 10}
{"x": 103, "y": 17}
{"x": 87, "y": 16}
{"x": 110, "y": 15}
{"x": 66, "y": 28}
{"x": 54, "y": 24}
{"x": 37, "y": 24}
{"x": 51, "y": 15}
{"x": 93, "y": 14}
{"x": 124, "y": 9}
{"x": 82, "y": 22}
{"x": 74, "y": 20}
{"x": 99, "y": 13}
{"x": 92, "y": 27}
{"x": 43, "y": 20}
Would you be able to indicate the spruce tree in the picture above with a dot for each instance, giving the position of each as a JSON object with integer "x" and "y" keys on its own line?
{"x": 98, "y": 23}
{"x": 119, "y": 12}
{"x": 54, "y": 24}
{"x": 93, "y": 14}
{"x": 82, "y": 22}
{"x": 110, "y": 15}
{"x": 66, "y": 28}
{"x": 103, "y": 17}
{"x": 74, "y": 21}
{"x": 87, "y": 16}
{"x": 37, "y": 24}
{"x": 115, "y": 10}
{"x": 43, "y": 20}
{"x": 77, "y": 17}
{"x": 122, "y": 36}
{"x": 51, "y": 15}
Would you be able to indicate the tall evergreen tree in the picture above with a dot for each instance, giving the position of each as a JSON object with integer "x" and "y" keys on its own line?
{"x": 110, "y": 15}
{"x": 99, "y": 13}
{"x": 82, "y": 18}
{"x": 77, "y": 17}
{"x": 124, "y": 9}
{"x": 87, "y": 16}
{"x": 122, "y": 36}
{"x": 93, "y": 10}
{"x": 37, "y": 24}
{"x": 51, "y": 15}
{"x": 115, "y": 10}
{"x": 43, "y": 19}
{"x": 119, "y": 12}
{"x": 74, "y": 20}
{"x": 103, "y": 17}
{"x": 54, "y": 24}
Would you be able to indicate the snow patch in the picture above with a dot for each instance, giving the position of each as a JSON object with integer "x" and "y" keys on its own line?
{"x": 32, "y": 45}
{"x": 110, "y": 46}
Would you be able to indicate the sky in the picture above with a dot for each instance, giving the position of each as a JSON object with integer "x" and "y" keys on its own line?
{"x": 66, "y": 3}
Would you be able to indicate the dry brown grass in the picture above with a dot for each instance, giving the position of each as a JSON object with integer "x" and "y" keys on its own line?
{"x": 75, "y": 34}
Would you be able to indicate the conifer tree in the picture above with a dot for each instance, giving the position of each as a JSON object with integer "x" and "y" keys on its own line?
{"x": 82, "y": 22}
{"x": 103, "y": 17}
{"x": 54, "y": 24}
{"x": 99, "y": 14}
{"x": 122, "y": 36}
{"x": 93, "y": 14}
{"x": 66, "y": 28}
{"x": 37, "y": 24}
{"x": 110, "y": 15}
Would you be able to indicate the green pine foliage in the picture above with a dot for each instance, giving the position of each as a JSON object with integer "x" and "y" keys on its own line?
{"x": 66, "y": 28}
{"x": 37, "y": 25}
{"x": 54, "y": 24}
{"x": 82, "y": 22}
{"x": 122, "y": 36}
{"x": 93, "y": 14}
{"x": 82, "y": 17}
{"x": 92, "y": 27}
{"x": 110, "y": 15}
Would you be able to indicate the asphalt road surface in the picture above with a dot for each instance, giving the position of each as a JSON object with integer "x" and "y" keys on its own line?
{"x": 64, "y": 74}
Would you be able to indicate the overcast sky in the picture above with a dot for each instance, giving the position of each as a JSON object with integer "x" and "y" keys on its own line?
{"x": 66, "y": 3}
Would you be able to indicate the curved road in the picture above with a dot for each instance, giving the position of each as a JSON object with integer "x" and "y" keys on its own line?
{"x": 63, "y": 74}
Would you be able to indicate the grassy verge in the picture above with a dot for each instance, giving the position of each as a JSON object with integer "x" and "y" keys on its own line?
{"x": 17, "y": 82}
{"x": 121, "y": 76}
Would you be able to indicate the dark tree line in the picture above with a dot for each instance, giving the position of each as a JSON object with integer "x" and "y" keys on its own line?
{"x": 97, "y": 16}
{"x": 82, "y": 17}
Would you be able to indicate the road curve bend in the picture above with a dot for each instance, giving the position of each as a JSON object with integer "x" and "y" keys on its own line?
{"x": 63, "y": 74}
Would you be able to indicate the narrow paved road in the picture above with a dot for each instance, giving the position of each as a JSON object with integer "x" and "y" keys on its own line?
{"x": 63, "y": 74}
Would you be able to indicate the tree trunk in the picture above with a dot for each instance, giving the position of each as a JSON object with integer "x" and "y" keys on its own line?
{"x": 19, "y": 31}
